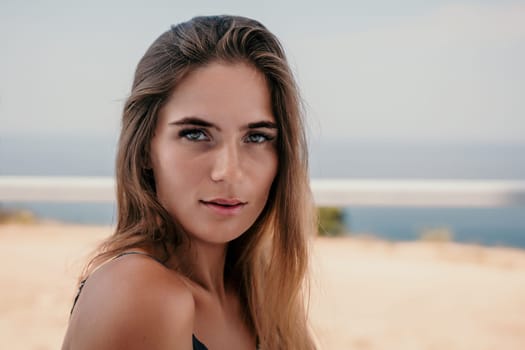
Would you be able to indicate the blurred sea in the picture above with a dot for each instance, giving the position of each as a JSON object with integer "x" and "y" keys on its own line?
{"x": 93, "y": 155}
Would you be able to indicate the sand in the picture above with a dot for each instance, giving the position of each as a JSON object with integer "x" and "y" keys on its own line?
{"x": 366, "y": 293}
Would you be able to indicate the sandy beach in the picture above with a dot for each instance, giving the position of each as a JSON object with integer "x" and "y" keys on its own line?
{"x": 365, "y": 293}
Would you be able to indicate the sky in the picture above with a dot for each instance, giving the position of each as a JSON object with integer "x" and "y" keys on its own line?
{"x": 425, "y": 71}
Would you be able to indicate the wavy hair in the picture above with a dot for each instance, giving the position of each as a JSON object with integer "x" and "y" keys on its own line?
{"x": 267, "y": 263}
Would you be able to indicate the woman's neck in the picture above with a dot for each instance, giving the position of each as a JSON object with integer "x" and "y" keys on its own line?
{"x": 203, "y": 263}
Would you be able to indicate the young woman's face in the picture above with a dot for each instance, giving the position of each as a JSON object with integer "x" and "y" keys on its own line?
{"x": 214, "y": 152}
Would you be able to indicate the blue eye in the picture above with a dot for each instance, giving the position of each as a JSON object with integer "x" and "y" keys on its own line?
{"x": 259, "y": 138}
{"x": 193, "y": 134}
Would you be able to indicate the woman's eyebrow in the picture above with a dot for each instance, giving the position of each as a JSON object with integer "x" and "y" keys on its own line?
{"x": 194, "y": 121}
{"x": 262, "y": 124}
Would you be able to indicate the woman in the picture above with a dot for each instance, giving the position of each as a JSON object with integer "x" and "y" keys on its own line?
{"x": 214, "y": 206}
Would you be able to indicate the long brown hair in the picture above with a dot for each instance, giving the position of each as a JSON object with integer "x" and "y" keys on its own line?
{"x": 267, "y": 263}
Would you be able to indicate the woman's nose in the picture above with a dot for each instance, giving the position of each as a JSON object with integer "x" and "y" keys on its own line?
{"x": 227, "y": 165}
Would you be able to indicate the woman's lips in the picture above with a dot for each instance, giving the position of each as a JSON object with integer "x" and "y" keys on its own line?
{"x": 224, "y": 208}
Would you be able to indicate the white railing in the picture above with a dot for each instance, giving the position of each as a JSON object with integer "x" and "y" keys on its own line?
{"x": 327, "y": 192}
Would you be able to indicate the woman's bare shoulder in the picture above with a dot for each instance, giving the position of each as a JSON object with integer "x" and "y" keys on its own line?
{"x": 132, "y": 302}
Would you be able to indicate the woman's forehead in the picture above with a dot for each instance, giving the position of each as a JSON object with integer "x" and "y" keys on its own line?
{"x": 221, "y": 93}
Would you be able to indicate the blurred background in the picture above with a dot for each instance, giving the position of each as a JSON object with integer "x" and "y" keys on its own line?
{"x": 393, "y": 90}
{"x": 404, "y": 89}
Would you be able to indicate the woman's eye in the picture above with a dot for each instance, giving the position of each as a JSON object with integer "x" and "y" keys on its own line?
{"x": 193, "y": 134}
{"x": 259, "y": 138}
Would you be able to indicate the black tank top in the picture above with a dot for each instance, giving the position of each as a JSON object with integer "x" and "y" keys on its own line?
{"x": 197, "y": 345}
